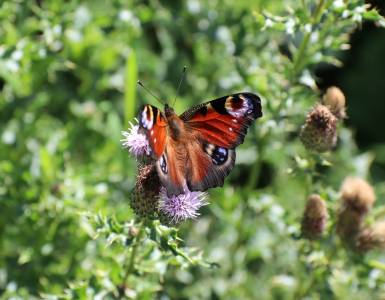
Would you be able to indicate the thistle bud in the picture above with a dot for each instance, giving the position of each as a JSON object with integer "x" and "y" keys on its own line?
{"x": 319, "y": 133}
{"x": 357, "y": 194}
{"x": 357, "y": 198}
{"x": 144, "y": 200}
{"x": 334, "y": 99}
{"x": 372, "y": 237}
{"x": 314, "y": 218}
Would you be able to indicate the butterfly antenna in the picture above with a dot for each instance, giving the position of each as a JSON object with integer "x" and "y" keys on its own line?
{"x": 148, "y": 91}
{"x": 180, "y": 83}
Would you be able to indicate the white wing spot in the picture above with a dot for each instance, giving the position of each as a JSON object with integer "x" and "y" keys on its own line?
{"x": 152, "y": 132}
{"x": 154, "y": 140}
{"x": 145, "y": 122}
{"x": 235, "y": 120}
{"x": 230, "y": 129}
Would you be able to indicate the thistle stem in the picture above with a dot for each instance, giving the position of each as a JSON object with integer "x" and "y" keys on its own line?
{"x": 376, "y": 264}
{"x": 298, "y": 60}
{"x": 131, "y": 263}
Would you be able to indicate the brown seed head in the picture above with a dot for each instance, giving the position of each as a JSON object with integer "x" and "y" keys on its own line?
{"x": 314, "y": 218}
{"x": 334, "y": 99}
{"x": 357, "y": 194}
{"x": 357, "y": 198}
{"x": 319, "y": 133}
{"x": 372, "y": 237}
{"x": 349, "y": 223}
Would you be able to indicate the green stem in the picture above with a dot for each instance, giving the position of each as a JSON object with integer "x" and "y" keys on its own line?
{"x": 298, "y": 60}
{"x": 379, "y": 212}
{"x": 376, "y": 264}
{"x": 131, "y": 262}
{"x": 256, "y": 166}
{"x": 254, "y": 175}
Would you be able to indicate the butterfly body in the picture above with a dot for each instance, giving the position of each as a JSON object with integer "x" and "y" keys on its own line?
{"x": 196, "y": 150}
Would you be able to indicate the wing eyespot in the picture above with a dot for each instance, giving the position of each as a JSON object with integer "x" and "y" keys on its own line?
{"x": 163, "y": 164}
{"x": 218, "y": 155}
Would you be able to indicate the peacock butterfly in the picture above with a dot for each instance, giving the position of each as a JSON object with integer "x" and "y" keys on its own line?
{"x": 197, "y": 149}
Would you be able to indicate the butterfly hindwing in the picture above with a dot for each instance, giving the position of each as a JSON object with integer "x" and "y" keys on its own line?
{"x": 224, "y": 121}
{"x": 153, "y": 124}
{"x": 171, "y": 167}
{"x": 197, "y": 165}
{"x": 215, "y": 163}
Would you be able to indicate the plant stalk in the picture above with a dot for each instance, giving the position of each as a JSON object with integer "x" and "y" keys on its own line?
{"x": 131, "y": 262}
{"x": 302, "y": 48}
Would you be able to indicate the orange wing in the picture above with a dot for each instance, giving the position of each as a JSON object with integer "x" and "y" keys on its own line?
{"x": 219, "y": 126}
{"x": 153, "y": 124}
{"x": 224, "y": 121}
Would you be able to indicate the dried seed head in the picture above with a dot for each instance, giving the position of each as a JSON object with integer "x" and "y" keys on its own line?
{"x": 319, "y": 133}
{"x": 334, "y": 99}
{"x": 357, "y": 194}
{"x": 372, "y": 237}
{"x": 357, "y": 198}
{"x": 144, "y": 200}
{"x": 349, "y": 223}
{"x": 314, "y": 218}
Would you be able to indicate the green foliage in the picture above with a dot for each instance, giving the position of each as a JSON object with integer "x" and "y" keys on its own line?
{"x": 68, "y": 71}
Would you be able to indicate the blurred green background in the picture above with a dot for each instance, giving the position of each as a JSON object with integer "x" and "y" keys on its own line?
{"x": 68, "y": 72}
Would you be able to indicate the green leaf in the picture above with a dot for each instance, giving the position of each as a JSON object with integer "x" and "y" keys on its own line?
{"x": 130, "y": 87}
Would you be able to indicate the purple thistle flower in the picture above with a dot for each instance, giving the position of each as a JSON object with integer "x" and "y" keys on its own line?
{"x": 135, "y": 142}
{"x": 182, "y": 207}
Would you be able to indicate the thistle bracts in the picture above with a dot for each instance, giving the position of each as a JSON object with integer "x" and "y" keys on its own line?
{"x": 372, "y": 237}
{"x": 319, "y": 133}
{"x": 357, "y": 198}
{"x": 335, "y": 100}
{"x": 314, "y": 218}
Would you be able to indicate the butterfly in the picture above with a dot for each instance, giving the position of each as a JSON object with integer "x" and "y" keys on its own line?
{"x": 196, "y": 150}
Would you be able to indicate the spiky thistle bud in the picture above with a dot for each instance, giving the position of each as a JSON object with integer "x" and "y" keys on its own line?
{"x": 334, "y": 99}
{"x": 144, "y": 200}
{"x": 372, "y": 237}
{"x": 319, "y": 133}
{"x": 314, "y": 218}
{"x": 357, "y": 194}
{"x": 357, "y": 198}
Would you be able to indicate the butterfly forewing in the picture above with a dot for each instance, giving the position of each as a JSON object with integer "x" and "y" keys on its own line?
{"x": 153, "y": 124}
{"x": 219, "y": 125}
{"x": 224, "y": 121}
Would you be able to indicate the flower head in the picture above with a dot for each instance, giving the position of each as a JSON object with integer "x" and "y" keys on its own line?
{"x": 135, "y": 142}
{"x": 357, "y": 194}
{"x": 182, "y": 207}
{"x": 334, "y": 99}
{"x": 319, "y": 133}
{"x": 372, "y": 237}
{"x": 315, "y": 217}
{"x": 357, "y": 198}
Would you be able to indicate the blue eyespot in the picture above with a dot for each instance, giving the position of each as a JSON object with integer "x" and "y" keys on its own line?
{"x": 219, "y": 155}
